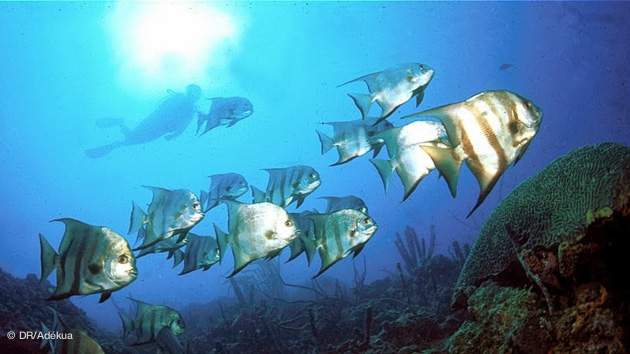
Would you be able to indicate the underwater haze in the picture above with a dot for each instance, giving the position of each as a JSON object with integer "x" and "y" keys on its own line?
{"x": 65, "y": 66}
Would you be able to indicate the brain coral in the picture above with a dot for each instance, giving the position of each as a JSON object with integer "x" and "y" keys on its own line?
{"x": 550, "y": 207}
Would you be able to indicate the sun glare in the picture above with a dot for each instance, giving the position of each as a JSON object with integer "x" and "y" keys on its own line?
{"x": 170, "y": 43}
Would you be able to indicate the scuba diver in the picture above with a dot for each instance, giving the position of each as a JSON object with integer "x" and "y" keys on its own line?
{"x": 170, "y": 119}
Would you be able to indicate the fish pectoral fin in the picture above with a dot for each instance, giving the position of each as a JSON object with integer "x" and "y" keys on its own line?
{"x": 104, "y": 297}
{"x": 486, "y": 181}
{"x": 234, "y": 121}
{"x": 448, "y": 162}
{"x": 49, "y": 258}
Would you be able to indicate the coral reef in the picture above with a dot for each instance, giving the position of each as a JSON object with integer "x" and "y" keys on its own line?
{"x": 23, "y": 308}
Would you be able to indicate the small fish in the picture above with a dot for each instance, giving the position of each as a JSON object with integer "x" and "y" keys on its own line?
{"x": 392, "y": 87}
{"x": 338, "y": 235}
{"x": 170, "y": 245}
{"x": 489, "y": 131}
{"x": 171, "y": 213}
{"x": 173, "y": 116}
{"x": 225, "y": 111}
{"x": 256, "y": 231}
{"x": 224, "y": 186}
{"x": 505, "y": 66}
{"x": 149, "y": 321}
{"x": 201, "y": 252}
{"x": 91, "y": 260}
{"x": 288, "y": 185}
{"x": 76, "y": 340}
{"x": 409, "y": 161}
{"x": 347, "y": 202}
{"x": 353, "y": 138}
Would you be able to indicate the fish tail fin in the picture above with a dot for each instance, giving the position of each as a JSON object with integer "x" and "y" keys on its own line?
{"x": 363, "y": 103}
{"x": 49, "y": 258}
{"x": 222, "y": 241}
{"x": 385, "y": 170}
{"x": 448, "y": 162}
{"x": 310, "y": 248}
{"x": 128, "y": 325}
{"x": 203, "y": 197}
{"x": 326, "y": 141}
{"x": 257, "y": 195}
{"x": 178, "y": 257}
{"x": 102, "y": 150}
{"x": 138, "y": 218}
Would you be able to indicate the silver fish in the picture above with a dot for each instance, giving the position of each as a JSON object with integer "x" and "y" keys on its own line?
{"x": 288, "y": 185}
{"x": 76, "y": 340}
{"x": 347, "y": 202}
{"x": 225, "y": 111}
{"x": 338, "y": 235}
{"x": 171, "y": 213}
{"x": 223, "y": 186}
{"x": 149, "y": 321}
{"x": 392, "y": 87}
{"x": 353, "y": 138}
{"x": 409, "y": 161}
{"x": 489, "y": 131}
{"x": 91, "y": 260}
{"x": 256, "y": 231}
{"x": 171, "y": 117}
{"x": 201, "y": 252}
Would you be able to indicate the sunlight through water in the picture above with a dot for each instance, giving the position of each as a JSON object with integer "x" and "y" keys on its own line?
{"x": 170, "y": 43}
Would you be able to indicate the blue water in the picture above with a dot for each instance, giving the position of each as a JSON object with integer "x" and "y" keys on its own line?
{"x": 65, "y": 65}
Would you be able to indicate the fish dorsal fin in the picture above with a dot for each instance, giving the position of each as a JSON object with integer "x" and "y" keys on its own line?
{"x": 486, "y": 181}
{"x": 449, "y": 116}
{"x": 448, "y": 162}
{"x": 369, "y": 79}
{"x": 158, "y": 192}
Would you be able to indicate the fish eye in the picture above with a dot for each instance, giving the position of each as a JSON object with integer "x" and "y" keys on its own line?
{"x": 123, "y": 259}
{"x": 288, "y": 223}
{"x": 196, "y": 206}
{"x": 228, "y": 188}
{"x": 313, "y": 175}
{"x": 422, "y": 67}
{"x": 366, "y": 221}
{"x": 528, "y": 104}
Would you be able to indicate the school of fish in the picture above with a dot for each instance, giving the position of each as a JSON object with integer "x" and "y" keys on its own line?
{"x": 488, "y": 131}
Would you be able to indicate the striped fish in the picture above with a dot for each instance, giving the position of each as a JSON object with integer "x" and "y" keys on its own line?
{"x": 201, "y": 252}
{"x": 256, "y": 231}
{"x": 91, "y": 260}
{"x": 76, "y": 340}
{"x": 489, "y": 131}
{"x": 353, "y": 138}
{"x": 171, "y": 213}
{"x": 410, "y": 162}
{"x": 392, "y": 87}
{"x": 149, "y": 321}
{"x": 347, "y": 202}
{"x": 223, "y": 186}
{"x": 288, "y": 185}
{"x": 338, "y": 235}
{"x": 225, "y": 111}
